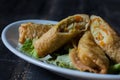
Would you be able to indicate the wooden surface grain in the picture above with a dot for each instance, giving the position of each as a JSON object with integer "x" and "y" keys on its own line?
{"x": 13, "y": 67}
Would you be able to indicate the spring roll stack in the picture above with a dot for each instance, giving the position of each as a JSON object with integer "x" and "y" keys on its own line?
{"x": 89, "y": 52}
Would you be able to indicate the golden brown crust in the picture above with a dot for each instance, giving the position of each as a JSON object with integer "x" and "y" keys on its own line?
{"x": 90, "y": 55}
{"x": 50, "y": 41}
{"x": 32, "y": 30}
{"x": 77, "y": 62}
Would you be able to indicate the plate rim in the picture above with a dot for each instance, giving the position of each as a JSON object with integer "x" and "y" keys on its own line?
{"x": 61, "y": 70}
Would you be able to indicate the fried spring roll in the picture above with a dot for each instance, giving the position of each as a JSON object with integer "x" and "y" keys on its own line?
{"x": 61, "y": 33}
{"x": 32, "y": 30}
{"x": 106, "y": 37}
{"x": 88, "y": 56}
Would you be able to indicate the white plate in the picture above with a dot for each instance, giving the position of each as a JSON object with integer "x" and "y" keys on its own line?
{"x": 10, "y": 39}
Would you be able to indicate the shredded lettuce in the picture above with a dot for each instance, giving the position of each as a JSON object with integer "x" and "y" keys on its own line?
{"x": 28, "y": 48}
{"x": 64, "y": 61}
{"x": 61, "y": 60}
{"x": 58, "y": 58}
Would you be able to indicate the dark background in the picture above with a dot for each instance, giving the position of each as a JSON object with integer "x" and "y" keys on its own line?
{"x": 13, "y": 67}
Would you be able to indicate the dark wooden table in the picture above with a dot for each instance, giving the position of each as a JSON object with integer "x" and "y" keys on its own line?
{"x": 15, "y": 68}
